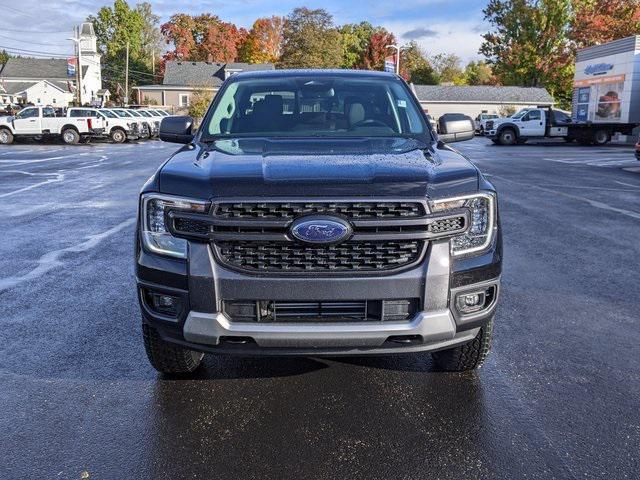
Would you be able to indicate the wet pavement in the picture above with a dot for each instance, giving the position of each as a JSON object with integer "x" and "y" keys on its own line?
{"x": 559, "y": 396}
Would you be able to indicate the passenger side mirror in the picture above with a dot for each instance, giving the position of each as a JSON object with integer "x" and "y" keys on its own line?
{"x": 177, "y": 129}
{"x": 455, "y": 127}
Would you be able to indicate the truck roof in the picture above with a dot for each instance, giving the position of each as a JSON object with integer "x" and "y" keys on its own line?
{"x": 313, "y": 73}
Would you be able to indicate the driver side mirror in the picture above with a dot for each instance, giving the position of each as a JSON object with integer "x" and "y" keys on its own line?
{"x": 177, "y": 129}
{"x": 455, "y": 127}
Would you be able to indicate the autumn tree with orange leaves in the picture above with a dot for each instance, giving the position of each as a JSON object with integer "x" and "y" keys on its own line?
{"x": 202, "y": 38}
{"x": 601, "y": 21}
{"x": 263, "y": 43}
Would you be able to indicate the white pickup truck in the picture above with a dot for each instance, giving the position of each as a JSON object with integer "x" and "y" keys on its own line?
{"x": 42, "y": 122}
{"x": 546, "y": 122}
{"x": 117, "y": 128}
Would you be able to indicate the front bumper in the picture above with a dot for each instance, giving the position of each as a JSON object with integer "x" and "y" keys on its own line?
{"x": 202, "y": 284}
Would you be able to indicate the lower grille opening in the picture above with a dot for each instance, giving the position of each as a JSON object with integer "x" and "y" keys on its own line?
{"x": 272, "y": 311}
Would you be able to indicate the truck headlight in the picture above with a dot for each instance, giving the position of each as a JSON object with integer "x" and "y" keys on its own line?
{"x": 153, "y": 215}
{"x": 483, "y": 221}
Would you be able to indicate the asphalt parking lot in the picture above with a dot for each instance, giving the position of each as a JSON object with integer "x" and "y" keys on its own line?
{"x": 557, "y": 398}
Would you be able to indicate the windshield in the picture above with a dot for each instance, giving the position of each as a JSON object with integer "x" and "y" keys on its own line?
{"x": 319, "y": 106}
{"x": 520, "y": 114}
{"x": 109, "y": 114}
{"x": 143, "y": 113}
{"x": 123, "y": 113}
{"x": 133, "y": 113}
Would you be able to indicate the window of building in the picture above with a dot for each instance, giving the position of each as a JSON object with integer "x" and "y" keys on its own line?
{"x": 184, "y": 99}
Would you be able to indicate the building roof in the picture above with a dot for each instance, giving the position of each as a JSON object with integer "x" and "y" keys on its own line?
{"x": 482, "y": 94}
{"x": 12, "y": 88}
{"x": 205, "y": 74}
{"x": 38, "y": 68}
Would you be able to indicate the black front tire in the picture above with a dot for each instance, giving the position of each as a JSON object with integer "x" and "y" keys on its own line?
{"x": 508, "y": 137}
{"x": 118, "y": 135}
{"x": 468, "y": 356}
{"x": 167, "y": 358}
{"x": 6, "y": 137}
{"x": 70, "y": 136}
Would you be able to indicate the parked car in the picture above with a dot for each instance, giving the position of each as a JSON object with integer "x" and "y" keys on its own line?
{"x": 116, "y": 128}
{"x": 153, "y": 121}
{"x": 39, "y": 122}
{"x": 481, "y": 121}
{"x": 638, "y": 149}
{"x": 143, "y": 126}
{"x": 146, "y": 123}
{"x": 343, "y": 225}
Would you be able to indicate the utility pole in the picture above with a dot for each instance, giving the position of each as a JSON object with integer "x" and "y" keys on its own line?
{"x": 126, "y": 79}
{"x": 153, "y": 62}
{"x": 76, "y": 39}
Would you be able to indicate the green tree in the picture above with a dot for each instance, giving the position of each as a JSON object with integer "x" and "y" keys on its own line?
{"x": 119, "y": 26}
{"x": 479, "y": 73}
{"x": 151, "y": 35}
{"x": 4, "y": 56}
{"x": 310, "y": 40}
{"x": 528, "y": 44}
{"x": 354, "y": 39}
{"x": 200, "y": 101}
{"x": 447, "y": 68}
{"x": 416, "y": 65}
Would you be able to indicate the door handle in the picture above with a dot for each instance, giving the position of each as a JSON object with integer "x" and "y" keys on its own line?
{"x": 32, "y": 121}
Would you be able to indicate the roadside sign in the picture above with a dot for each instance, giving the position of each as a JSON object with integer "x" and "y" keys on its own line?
{"x": 390, "y": 64}
{"x": 71, "y": 66}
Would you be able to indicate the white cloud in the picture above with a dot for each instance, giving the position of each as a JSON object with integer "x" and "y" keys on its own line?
{"x": 460, "y": 37}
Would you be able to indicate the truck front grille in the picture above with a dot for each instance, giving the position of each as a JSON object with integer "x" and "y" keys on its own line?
{"x": 291, "y": 210}
{"x": 256, "y": 237}
{"x": 342, "y": 257}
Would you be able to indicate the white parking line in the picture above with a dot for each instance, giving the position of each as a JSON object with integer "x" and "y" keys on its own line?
{"x": 593, "y": 203}
{"x": 53, "y": 259}
{"x": 58, "y": 177}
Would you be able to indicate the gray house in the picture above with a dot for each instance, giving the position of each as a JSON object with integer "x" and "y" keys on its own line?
{"x": 182, "y": 78}
{"x": 437, "y": 100}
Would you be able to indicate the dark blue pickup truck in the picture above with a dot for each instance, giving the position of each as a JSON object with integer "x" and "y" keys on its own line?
{"x": 317, "y": 213}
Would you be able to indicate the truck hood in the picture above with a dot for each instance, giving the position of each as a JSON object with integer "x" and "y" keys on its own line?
{"x": 392, "y": 167}
{"x": 6, "y": 119}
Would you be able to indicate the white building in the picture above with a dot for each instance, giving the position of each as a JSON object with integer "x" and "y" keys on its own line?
{"x": 607, "y": 82}
{"x": 437, "y": 100}
{"x": 47, "y": 81}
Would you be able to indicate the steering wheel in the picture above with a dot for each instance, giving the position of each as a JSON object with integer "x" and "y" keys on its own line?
{"x": 369, "y": 123}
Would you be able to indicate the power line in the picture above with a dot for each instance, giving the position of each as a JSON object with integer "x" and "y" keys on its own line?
{"x": 20, "y": 12}
{"x": 34, "y": 43}
{"x": 35, "y": 32}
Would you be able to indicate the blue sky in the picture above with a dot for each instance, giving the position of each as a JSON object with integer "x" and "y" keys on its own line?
{"x": 440, "y": 26}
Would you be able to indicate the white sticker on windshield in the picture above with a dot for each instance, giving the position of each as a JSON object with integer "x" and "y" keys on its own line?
{"x": 402, "y": 103}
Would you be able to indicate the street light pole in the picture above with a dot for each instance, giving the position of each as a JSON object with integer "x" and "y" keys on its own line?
{"x": 397, "y": 49}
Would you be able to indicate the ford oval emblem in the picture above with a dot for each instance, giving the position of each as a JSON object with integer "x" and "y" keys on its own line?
{"x": 320, "y": 229}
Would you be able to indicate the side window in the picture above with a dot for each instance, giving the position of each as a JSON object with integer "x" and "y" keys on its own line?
{"x": 534, "y": 115}
{"x": 75, "y": 113}
{"x": 28, "y": 113}
{"x": 48, "y": 112}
